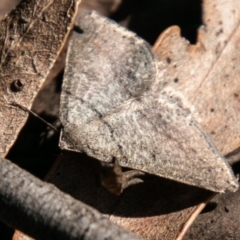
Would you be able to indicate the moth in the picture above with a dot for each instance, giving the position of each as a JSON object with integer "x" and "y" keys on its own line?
{"x": 114, "y": 105}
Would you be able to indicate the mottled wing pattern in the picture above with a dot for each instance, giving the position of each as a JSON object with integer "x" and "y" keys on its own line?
{"x": 112, "y": 108}
{"x": 31, "y": 37}
{"x": 96, "y": 70}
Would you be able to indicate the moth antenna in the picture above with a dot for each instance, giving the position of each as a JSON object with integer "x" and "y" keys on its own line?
{"x": 34, "y": 114}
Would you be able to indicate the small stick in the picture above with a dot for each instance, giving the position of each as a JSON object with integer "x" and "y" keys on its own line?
{"x": 193, "y": 216}
{"x": 42, "y": 211}
{"x": 34, "y": 114}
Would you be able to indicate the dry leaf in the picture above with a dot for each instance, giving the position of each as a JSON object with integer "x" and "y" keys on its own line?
{"x": 208, "y": 73}
{"x": 222, "y": 223}
{"x": 104, "y": 7}
{"x": 30, "y": 41}
{"x": 20, "y": 236}
{"x": 6, "y": 6}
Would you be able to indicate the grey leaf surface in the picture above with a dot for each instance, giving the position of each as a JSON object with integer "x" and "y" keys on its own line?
{"x": 114, "y": 106}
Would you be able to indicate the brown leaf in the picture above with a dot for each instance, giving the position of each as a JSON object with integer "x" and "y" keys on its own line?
{"x": 104, "y": 7}
{"x": 30, "y": 41}
{"x": 7, "y": 6}
{"x": 20, "y": 236}
{"x": 222, "y": 223}
{"x": 208, "y": 73}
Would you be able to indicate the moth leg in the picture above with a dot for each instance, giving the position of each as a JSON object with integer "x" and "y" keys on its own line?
{"x": 132, "y": 177}
{"x": 111, "y": 176}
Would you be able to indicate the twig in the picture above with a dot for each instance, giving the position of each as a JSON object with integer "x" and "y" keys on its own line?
{"x": 42, "y": 211}
{"x": 193, "y": 216}
{"x": 34, "y": 114}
